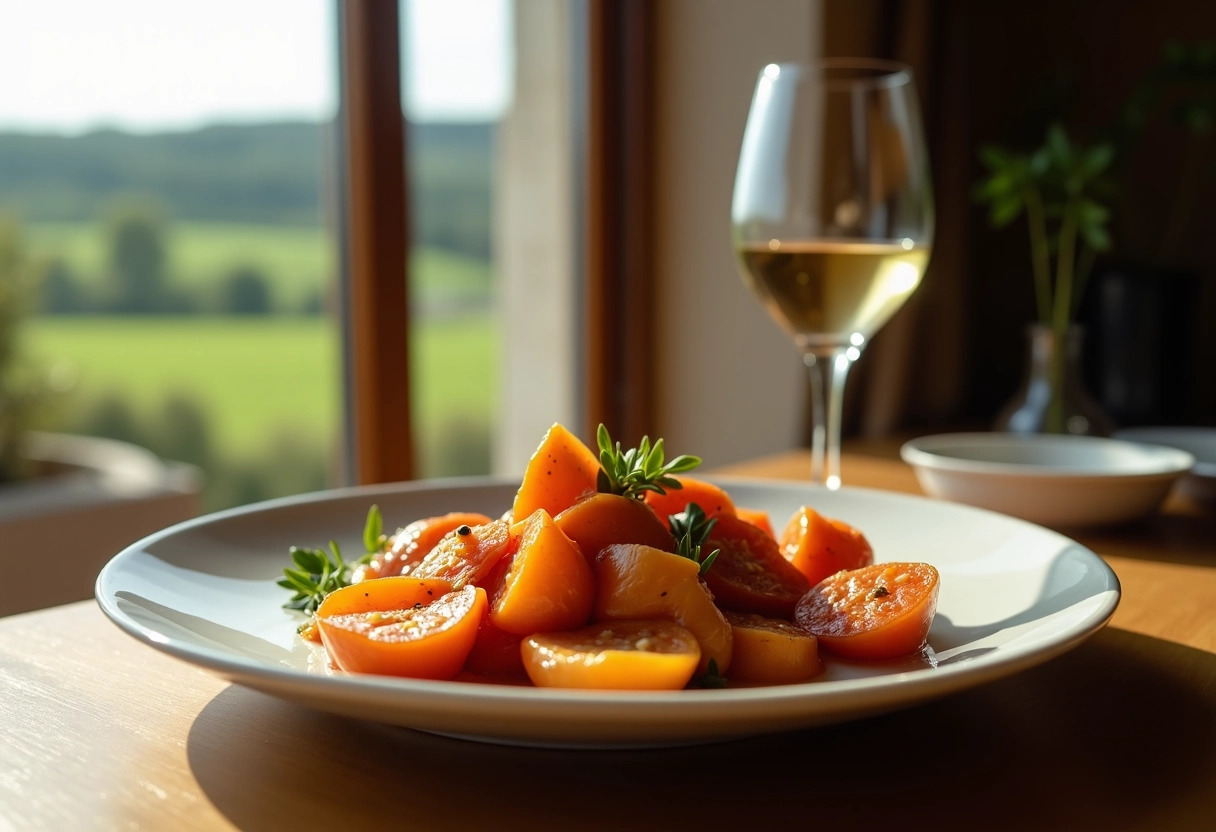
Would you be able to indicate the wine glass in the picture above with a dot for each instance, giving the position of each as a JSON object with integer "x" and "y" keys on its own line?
{"x": 832, "y": 216}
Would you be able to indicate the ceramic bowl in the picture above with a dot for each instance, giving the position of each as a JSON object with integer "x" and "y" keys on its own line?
{"x": 1053, "y": 480}
{"x": 1200, "y": 482}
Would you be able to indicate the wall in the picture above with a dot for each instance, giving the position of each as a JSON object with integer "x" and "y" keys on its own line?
{"x": 730, "y": 384}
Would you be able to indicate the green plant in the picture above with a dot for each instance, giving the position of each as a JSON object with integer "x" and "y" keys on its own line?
{"x": 1063, "y": 189}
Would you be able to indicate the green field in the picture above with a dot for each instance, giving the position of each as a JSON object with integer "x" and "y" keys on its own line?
{"x": 298, "y": 262}
{"x": 258, "y": 378}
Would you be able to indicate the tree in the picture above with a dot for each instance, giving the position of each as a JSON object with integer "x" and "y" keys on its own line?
{"x": 247, "y": 292}
{"x": 137, "y": 256}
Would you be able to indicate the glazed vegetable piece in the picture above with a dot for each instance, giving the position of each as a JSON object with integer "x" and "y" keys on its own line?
{"x": 613, "y": 655}
{"x": 757, "y": 518}
{"x": 545, "y": 585}
{"x": 819, "y": 546}
{"x": 641, "y": 582}
{"x": 413, "y": 543}
{"x": 878, "y": 612}
{"x": 468, "y": 554}
{"x": 749, "y": 574}
{"x": 401, "y": 626}
{"x": 562, "y": 471}
{"x": 495, "y": 653}
{"x": 712, "y": 499}
{"x": 770, "y": 651}
{"x": 604, "y": 519}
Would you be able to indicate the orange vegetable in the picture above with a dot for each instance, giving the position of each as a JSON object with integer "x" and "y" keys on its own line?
{"x": 640, "y": 582}
{"x": 712, "y": 499}
{"x": 413, "y": 543}
{"x": 467, "y": 558}
{"x": 757, "y": 518}
{"x": 882, "y": 611}
{"x": 495, "y": 653}
{"x": 615, "y": 655}
{"x": 561, "y": 471}
{"x": 749, "y": 573}
{"x": 604, "y": 519}
{"x": 546, "y": 585}
{"x": 769, "y": 651}
{"x": 401, "y": 626}
{"x": 819, "y": 547}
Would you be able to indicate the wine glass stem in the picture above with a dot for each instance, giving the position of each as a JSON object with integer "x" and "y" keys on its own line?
{"x": 828, "y": 370}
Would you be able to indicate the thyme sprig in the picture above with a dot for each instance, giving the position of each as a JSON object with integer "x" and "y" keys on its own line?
{"x": 711, "y": 678}
{"x": 691, "y": 529}
{"x": 633, "y": 472}
{"x": 317, "y": 572}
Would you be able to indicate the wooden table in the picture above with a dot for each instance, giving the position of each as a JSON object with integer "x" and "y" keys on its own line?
{"x": 98, "y": 731}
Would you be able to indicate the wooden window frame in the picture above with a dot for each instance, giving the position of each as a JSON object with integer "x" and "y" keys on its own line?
{"x": 617, "y": 309}
{"x": 376, "y": 244}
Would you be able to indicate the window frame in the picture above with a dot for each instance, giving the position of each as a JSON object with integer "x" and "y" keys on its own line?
{"x": 616, "y": 294}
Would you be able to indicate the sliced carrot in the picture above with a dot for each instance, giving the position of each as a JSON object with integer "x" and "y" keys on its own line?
{"x": 749, "y": 574}
{"x": 468, "y": 557}
{"x": 819, "y": 546}
{"x": 769, "y": 651}
{"x": 604, "y": 519}
{"x": 712, "y": 499}
{"x": 882, "y": 611}
{"x": 414, "y": 542}
{"x": 561, "y": 471}
{"x": 409, "y": 638}
{"x": 495, "y": 652}
{"x": 546, "y": 585}
{"x": 757, "y": 518}
{"x": 613, "y": 655}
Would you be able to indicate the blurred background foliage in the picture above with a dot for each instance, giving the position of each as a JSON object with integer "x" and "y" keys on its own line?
{"x": 216, "y": 241}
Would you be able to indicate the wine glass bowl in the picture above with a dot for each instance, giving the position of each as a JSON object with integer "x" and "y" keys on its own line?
{"x": 832, "y": 216}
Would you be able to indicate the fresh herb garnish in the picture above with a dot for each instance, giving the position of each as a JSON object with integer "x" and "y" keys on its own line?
{"x": 318, "y": 573}
{"x": 711, "y": 678}
{"x": 633, "y": 472}
{"x": 691, "y": 529}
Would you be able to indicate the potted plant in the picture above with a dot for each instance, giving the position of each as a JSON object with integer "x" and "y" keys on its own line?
{"x": 1067, "y": 193}
{"x": 1063, "y": 190}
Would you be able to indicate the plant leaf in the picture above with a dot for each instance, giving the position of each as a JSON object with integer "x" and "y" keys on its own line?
{"x": 372, "y": 530}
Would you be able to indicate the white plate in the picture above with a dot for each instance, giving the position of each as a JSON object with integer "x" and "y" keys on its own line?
{"x": 1013, "y": 595}
{"x": 1056, "y": 480}
{"x": 1200, "y": 482}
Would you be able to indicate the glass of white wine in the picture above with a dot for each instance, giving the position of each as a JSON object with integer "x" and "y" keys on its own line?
{"x": 832, "y": 216}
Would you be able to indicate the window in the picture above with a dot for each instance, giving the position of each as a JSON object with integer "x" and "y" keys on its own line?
{"x": 172, "y": 178}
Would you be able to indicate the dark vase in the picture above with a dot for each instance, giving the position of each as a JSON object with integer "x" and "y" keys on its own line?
{"x": 1053, "y": 398}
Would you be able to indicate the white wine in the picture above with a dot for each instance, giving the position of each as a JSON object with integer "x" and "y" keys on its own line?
{"x": 826, "y": 291}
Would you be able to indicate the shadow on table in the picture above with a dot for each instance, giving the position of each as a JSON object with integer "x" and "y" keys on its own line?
{"x": 1120, "y": 733}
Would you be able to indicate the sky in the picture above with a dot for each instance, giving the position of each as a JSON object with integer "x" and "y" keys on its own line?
{"x": 70, "y": 66}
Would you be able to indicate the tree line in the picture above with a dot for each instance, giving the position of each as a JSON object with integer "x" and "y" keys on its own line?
{"x": 282, "y": 174}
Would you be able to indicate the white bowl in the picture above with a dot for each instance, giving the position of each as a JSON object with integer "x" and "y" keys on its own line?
{"x": 1053, "y": 480}
{"x": 1200, "y": 482}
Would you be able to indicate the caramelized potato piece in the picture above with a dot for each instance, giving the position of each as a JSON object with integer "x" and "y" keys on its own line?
{"x": 546, "y": 585}
{"x": 769, "y": 651}
{"x": 561, "y": 471}
{"x": 639, "y": 582}
{"x": 604, "y": 519}
{"x": 613, "y": 655}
